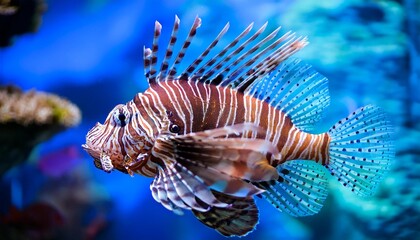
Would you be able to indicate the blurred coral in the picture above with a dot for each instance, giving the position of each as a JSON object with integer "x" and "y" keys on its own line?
{"x": 6, "y": 8}
{"x": 19, "y": 17}
{"x": 36, "y": 108}
{"x": 36, "y": 221}
{"x": 84, "y": 204}
{"x": 27, "y": 119}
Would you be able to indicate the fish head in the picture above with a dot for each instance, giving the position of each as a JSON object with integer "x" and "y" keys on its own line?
{"x": 118, "y": 143}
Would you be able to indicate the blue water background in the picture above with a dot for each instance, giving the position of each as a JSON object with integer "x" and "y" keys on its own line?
{"x": 90, "y": 52}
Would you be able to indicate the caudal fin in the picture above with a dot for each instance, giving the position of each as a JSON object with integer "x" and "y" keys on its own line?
{"x": 361, "y": 149}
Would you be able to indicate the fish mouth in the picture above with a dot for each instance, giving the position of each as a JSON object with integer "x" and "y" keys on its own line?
{"x": 100, "y": 153}
{"x": 93, "y": 152}
{"x": 101, "y": 159}
{"x": 106, "y": 161}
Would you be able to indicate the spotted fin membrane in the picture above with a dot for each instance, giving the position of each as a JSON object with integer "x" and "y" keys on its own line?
{"x": 361, "y": 149}
{"x": 300, "y": 190}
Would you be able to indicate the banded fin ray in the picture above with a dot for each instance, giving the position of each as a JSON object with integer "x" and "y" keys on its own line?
{"x": 195, "y": 186}
{"x": 169, "y": 50}
{"x": 187, "y": 42}
{"x": 205, "y": 72}
{"x": 159, "y": 193}
{"x": 300, "y": 190}
{"x": 173, "y": 194}
{"x": 238, "y": 220}
{"x": 197, "y": 61}
{"x": 175, "y": 191}
{"x": 220, "y": 69}
{"x": 153, "y": 56}
{"x": 257, "y": 70}
{"x": 248, "y": 53}
{"x": 183, "y": 190}
{"x": 224, "y": 164}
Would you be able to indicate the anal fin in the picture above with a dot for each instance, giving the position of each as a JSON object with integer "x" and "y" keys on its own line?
{"x": 300, "y": 189}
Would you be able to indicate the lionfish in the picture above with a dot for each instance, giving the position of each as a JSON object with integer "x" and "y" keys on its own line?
{"x": 235, "y": 125}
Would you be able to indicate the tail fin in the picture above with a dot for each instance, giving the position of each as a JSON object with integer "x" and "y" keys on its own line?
{"x": 361, "y": 149}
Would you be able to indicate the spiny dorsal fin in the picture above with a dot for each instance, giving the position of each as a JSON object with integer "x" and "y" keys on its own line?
{"x": 193, "y": 66}
{"x": 219, "y": 56}
{"x": 187, "y": 42}
{"x": 237, "y": 65}
{"x": 165, "y": 63}
{"x": 153, "y": 57}
{"x": 249, "y": 52}
{"x": 249, "y": 71}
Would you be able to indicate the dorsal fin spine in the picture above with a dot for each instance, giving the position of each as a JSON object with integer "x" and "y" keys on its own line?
{"x": 155, "y": 48}
{"x": 146, "y": 61}
{"x": 212, "y": 61}
{"x": 219, "y": 65}
{"x": 193, "y": 66}
{"x": 257, "y": 57}
{"x": 187, "y": 42}
{"x": 274, "y": 60}
{"x": 250, "y": 62}
{"x": 242, "y": 67}
{"x": 287, "y": 36}
{"x": 229, "y": 67}
{"x": 169, "y": 51}
{"x": 250, "y": 51}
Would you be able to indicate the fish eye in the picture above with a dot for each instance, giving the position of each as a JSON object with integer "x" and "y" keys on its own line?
{"x": 174, "y": 128}
{"x": 121, "y": 116}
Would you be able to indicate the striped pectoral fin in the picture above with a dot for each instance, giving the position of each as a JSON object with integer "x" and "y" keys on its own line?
{"x": 160, "y": 194}
{"x": 178, "y": 188}
{"x": 237, "y": 220}
{"x": 300, "y": 189}
{"x": 239, "y": 157}
{"x": 224, "y": 164}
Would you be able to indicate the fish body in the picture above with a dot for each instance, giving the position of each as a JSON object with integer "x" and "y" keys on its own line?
{"x": 237, "y": 125}
{"x": 200, "y": 107}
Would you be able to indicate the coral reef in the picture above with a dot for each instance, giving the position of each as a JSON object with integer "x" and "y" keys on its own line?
{"x": 27, "y": 119}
